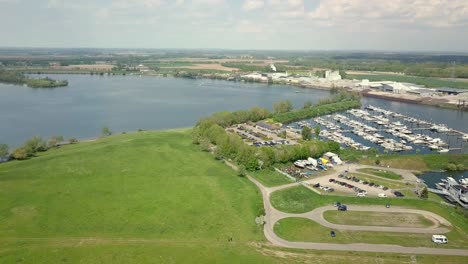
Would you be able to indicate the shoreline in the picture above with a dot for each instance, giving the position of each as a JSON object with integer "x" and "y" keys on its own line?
{"x": 389, "y": 97}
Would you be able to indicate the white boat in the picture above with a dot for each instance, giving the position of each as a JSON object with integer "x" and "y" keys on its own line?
{"x": 463, "y": 181}
{"x": 444, "y": 150}
{"x": 433, "y": 147}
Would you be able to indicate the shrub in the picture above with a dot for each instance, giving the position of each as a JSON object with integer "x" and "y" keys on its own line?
{"x": 20, "y": 153}
{"x": 451, "y": 167}
{"x": 72, "y": 140}
{"x": 241, "y": 171}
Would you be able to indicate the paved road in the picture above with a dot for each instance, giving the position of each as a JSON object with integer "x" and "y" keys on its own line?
{"x": 273, "y": 215}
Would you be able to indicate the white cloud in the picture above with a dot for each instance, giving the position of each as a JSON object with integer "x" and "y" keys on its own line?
{"x": 432, "y": 13}
{"x": 250, "y": 5}
{"x": 208, "y": 2}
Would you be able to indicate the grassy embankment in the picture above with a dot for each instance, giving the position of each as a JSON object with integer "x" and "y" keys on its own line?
{"x": 426, "y": 81}
{"x": 382, "y": 173}
{"x": 133, "y": 198}
{"x": 300, "y": 199}
{"x": 377, "y": 219}
{"x": 270, "y": 177}
{"x": 413, "y": 162}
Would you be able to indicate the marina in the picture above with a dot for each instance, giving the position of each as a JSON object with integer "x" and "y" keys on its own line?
{"x": 387, "y": 131}
{"x": 453, "y": 190}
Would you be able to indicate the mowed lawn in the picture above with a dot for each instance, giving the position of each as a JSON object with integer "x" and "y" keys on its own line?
{"x": 147, "y": 197}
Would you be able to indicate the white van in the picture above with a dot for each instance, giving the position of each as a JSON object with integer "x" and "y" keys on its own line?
{"x": 382, "y": 195}
{"x": 439, "y": 239}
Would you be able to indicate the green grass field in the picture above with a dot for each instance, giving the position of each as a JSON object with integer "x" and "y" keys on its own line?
{"x": 142, "y": 197}
{"x": 270, "y": 178}
{"x": 147, "y": 197}
{"x": 300, "y": 200}
{"x": 426, "y": 81}
{"x": 382, "y": 173}
{"x": 377, "y": 219}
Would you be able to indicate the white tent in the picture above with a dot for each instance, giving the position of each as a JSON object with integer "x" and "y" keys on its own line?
{"x": 312, "y": 161}
{"x": 337, "y": 160}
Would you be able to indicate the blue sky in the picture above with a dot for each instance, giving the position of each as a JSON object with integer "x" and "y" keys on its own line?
{"x": 419, "y": 25}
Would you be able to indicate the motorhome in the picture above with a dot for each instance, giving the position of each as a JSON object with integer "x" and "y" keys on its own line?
{"x": 439, "y": 239}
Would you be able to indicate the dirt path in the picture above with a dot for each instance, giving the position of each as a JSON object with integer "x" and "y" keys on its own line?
{"x": 272, "y": 215}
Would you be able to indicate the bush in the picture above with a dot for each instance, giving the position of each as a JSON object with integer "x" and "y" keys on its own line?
{"x": 205, "y": 145}
{"x": 20, "y": 154}
{"x": 34, "y": 145}
{"x": 105, "y": 132}
{"x": 241, "y": 171}
{"x": 451, "y": 167}
{"x": 424, "y": 193}
{"x": 72, "y": 140}
{"x": 460, "y": 167}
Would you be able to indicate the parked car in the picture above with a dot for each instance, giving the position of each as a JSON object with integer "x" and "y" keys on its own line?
{"x": 361, "y": 194}
{"x": 382, "y": 195}
{"x": 342, "y": 208}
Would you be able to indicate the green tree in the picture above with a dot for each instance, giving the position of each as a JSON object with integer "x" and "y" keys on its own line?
{"x": 307, "y": 104}
{"x": 424, "y": 193}
{"x": 317, "y": 131}
{"x": 34, "y": 145}
{"x": 72, "y": 140}
{"x": 3, "y": 150}
{"x": 343, "y": 74}
{"x": 246, "y": 157}
{"x": 283, "y": 106}
{"x": 105, "y": 132}
{"x": 306, "y": 133}
{"x": 20, "y": 153}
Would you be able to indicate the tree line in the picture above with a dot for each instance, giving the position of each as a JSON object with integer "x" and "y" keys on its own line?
{"x": 33, "y": 146}
{"x": 211, "y": 136}
{"x": 14, "y": 77}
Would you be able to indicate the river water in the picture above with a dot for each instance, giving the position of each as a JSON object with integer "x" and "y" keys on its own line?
{"x": 128, "y": 103}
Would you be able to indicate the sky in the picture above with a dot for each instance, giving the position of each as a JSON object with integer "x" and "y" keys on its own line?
{"x": 397, "y": 25}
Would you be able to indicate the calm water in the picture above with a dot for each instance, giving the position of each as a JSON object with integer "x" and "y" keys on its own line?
{"x": 127, "y": 103}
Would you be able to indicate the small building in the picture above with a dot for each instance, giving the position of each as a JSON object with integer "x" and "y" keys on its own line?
{"x": 332, "y": 75}
{"x": 451, "y": 91}
{"x": 266, "y": 126}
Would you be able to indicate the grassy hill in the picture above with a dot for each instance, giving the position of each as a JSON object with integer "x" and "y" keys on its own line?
{"x": 135, "y": 197}
{"x": 147, "y": 197}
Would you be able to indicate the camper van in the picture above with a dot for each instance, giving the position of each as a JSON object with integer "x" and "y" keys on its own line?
{"x": 439, "y": 239}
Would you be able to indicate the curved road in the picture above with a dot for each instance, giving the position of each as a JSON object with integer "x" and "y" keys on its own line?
{"x": 272, "y": 215}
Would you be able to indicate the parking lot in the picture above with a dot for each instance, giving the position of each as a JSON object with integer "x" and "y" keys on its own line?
{"x": 348, "y": 185}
